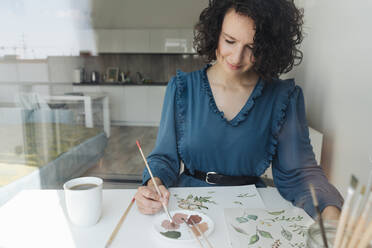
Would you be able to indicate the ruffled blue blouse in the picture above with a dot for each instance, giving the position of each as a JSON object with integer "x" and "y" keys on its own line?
{"x": 271, "y": 128}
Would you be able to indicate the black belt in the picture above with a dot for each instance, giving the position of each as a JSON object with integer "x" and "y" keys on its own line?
{"x": 214, "y": 178}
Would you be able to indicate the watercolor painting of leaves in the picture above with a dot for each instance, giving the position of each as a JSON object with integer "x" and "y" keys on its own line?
{"x": 276, "y": 213}
{"x": 254, "y": 239}
{"x": 286, "y": 234}
{"x": 244, "y": 195}
{"x": 298, "y": 245}
{"x": 299, "y": 229}
{"x": 265, "y": 234}
{"x": 291, "y": 233}
{"x": 287, "y": 219}
{"x": 246, "y": 217}
{"x": 239, "y": 230}
{"x": 194, "y": 202}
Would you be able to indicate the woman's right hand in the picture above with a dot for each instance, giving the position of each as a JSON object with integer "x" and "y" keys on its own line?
{"x": 148, "y": 200}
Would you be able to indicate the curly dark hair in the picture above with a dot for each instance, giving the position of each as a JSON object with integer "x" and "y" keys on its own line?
{"x": 278, "y": 25}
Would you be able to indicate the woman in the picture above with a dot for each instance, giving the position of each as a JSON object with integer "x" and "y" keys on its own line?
{"x": 229, "y": 121}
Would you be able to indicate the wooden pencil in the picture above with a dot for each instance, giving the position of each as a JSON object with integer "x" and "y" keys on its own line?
{"x": 113, "y": 234}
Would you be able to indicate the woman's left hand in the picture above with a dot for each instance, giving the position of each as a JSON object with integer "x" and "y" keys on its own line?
{"x": 331, "y": 213}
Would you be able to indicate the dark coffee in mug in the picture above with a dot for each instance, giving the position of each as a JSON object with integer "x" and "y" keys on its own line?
{"x": 83, "y": 186}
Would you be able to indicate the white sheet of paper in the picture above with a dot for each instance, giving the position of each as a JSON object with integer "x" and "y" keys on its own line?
{"x": 264, "y": 228}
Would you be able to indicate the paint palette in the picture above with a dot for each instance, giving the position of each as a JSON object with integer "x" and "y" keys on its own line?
{"x": 178, "y": 231}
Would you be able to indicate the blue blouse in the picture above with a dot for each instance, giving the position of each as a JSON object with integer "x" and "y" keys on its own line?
{"x": 271, "y": 128}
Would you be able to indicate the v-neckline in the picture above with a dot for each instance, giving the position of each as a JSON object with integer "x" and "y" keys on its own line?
{"x": 242, "y": 114}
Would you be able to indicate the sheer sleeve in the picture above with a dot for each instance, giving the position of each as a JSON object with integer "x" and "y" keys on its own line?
{"x": 163, "y": 160}
{"x": 295, "y": 167}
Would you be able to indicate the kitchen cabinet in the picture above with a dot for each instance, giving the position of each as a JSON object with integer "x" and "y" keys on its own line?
{"x": 131, "y": 105}
{"x": 135, "y": 41}
{"x": 171, "y": 40}
{"x": 116, "y": 101}
{"x": 60, "y": 89}
{"x": 33, "y": 71}
{"x": 20, "y": 71}
{"x": 8, "y": 92}
{"x": 155, "y": 98}
{"x": 135, "y": 104}
{"x": 144, "y": 104}
{"x": 89, "y": 89}
{"x": 122, "y": 41}
{"x": 8, "y": 72}
{"x": 144, "y": 40}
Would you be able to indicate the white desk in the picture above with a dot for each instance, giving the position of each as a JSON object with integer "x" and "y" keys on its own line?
{"x": 88, "y": 109}
{"x": 36, "y": 218}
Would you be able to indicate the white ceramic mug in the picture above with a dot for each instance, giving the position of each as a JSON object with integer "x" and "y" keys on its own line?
{"x": 84, "y": 206}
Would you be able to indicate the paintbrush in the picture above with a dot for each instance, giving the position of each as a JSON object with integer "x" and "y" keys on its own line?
{"x": 345, "y": 212}
{"x": 202, "y": 234}
{"x": 155, "y": 184}
{"x": 353, "y": 218}
{"x": 369, "y": 186}
{"x": 190, "y": 229}
{"x": 316, "y": 205}
{"x": 367, "y": 236}
{"x": 113, "y": 234}
{"x": 361, "y": 223}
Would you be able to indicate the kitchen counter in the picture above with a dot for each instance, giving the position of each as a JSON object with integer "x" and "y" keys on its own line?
{"x": 121, "y": 84}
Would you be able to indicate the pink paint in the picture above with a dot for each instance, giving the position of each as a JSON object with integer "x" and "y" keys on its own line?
{"x": 177, "y": 218}
{"x": 169, "y": 226}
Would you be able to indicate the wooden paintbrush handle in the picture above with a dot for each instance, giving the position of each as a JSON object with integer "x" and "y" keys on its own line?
{"x": 367, "y": 237}
{"x": 355, "y": 237}
{"x": 119, "y": 224}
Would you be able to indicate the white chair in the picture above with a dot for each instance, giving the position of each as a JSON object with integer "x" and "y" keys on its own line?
{"x": 30, "y": 101}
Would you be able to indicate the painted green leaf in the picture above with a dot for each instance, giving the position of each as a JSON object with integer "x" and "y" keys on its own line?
{"x": 204, "y": 199}
{"x": 238, "y": 202}
{"x": 286, "y": 234}
{"x": 245, "y": 195}
{"x": 171, "y": 234}
{"x": 253, "y": 239}
{"x": 241, "y": 219}
{"x": 239, "y": 230}
{"x": 252, "y": 217}
{"x": 265, "y": 234}
{"x": 277, "y": 213}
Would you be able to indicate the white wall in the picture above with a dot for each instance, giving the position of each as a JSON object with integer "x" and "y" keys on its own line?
{"x": 336, "y": 79}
